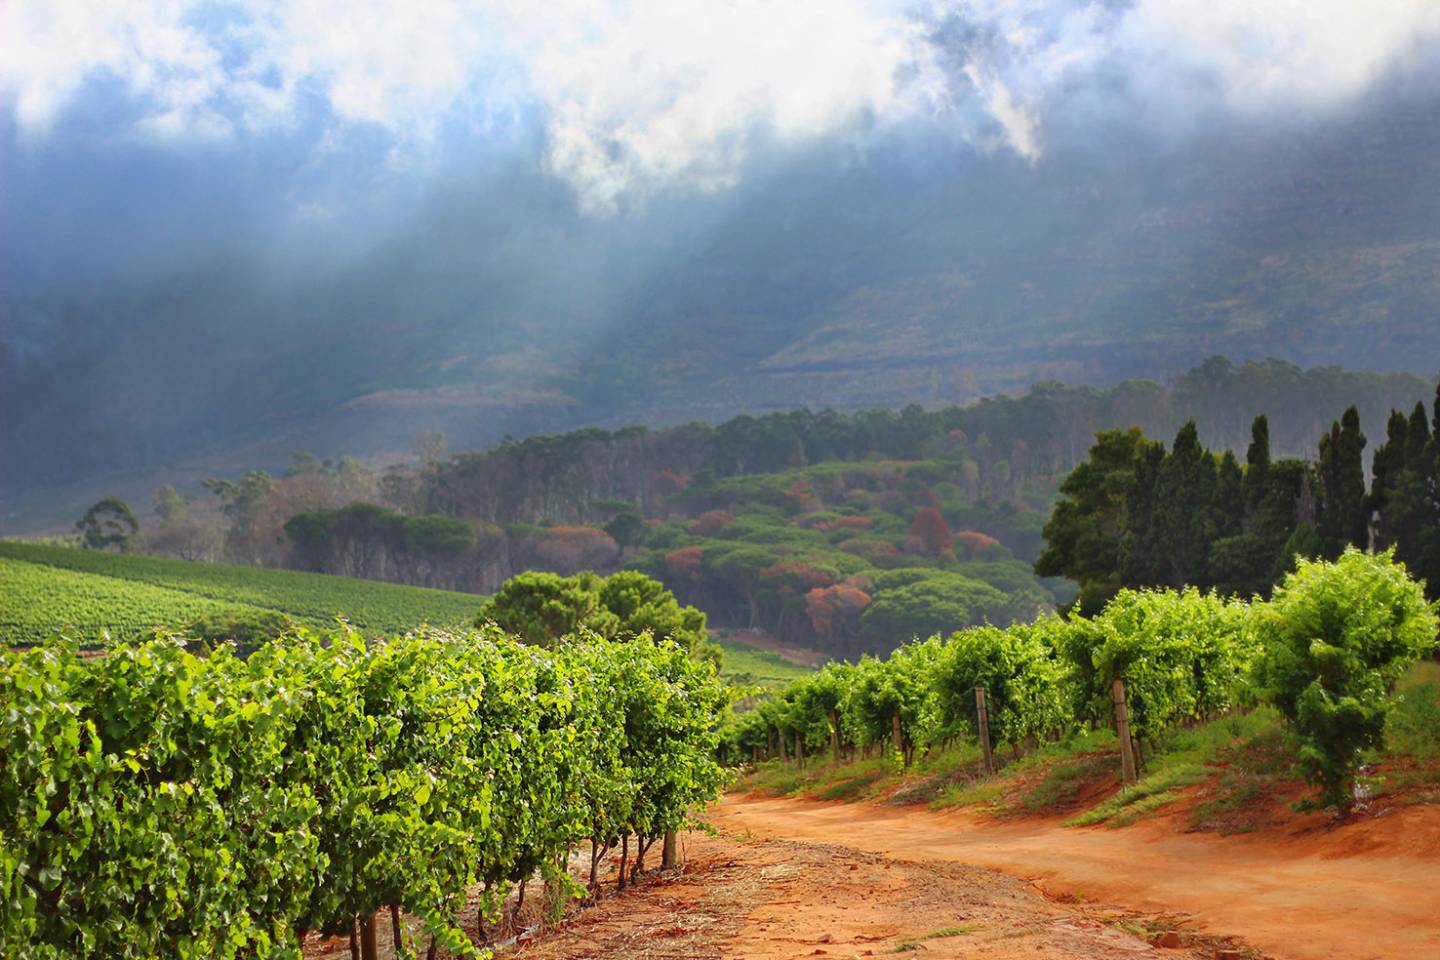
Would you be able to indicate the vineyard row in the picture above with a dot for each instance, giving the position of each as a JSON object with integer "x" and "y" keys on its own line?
{"x": 1325, "y": 650}
{"x": 156, "y": 803}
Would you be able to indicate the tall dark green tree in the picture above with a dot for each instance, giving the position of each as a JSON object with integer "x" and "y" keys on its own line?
{"x": 1344, "y": 517}
{"x": 1084, "y": 533}
{"x": 1229, "y": 506}
{"x": 1405, "y": 498}
{"x": 1142, "y": 551}
{"x": 1238, "y": 561}
{"x": 1181, "y": 517}
{"x": 1184, "y": 514}
{"x": 1388, "y": 466}
{"x": 1257, "y": 464}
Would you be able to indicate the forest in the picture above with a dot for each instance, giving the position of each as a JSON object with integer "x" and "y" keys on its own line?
{"x": 848, "y": 532}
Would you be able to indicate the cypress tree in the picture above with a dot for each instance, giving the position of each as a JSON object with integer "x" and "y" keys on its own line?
{"x": 1344, "y": 519}
{"x": 1230, "y": 509}
{"x": 1410, "y": 516}
{"x": 1237, "y": 561}
{"x": 1184, "y": 509}
{"x": 1257, "y": 464}
{"x": 1435, "y": 431}
{"x": 1417, "y": 438}
{"x": 1389, "y": 464}
{"x": 1142, "y": 553}
{"x": 1427, "y": 563}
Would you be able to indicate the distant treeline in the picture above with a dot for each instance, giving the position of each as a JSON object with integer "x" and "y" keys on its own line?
{"x": 840, "y": 530}
{"x": 1010, "y": 440}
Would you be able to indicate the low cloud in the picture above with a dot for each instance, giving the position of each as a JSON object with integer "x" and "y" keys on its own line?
{"x": 635, "y": 97}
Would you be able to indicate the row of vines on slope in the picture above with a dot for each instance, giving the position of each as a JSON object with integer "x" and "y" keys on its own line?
{"x": 1326, "y": 651}
{"x": 154, "y": 803}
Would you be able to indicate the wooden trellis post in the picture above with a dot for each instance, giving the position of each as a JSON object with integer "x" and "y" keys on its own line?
{"x": 834, "y": 737}
{"x": 670, "y": 852}
{"x": 895, "y": 733}
{"x": 369, "y": 939}
{"x": 984, "y": 715}
{"x": 1122, "y": 730}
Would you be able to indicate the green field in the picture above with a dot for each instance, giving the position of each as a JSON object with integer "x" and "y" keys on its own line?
{"x": 45, "y": 589}
{"x": 744, "y": 664}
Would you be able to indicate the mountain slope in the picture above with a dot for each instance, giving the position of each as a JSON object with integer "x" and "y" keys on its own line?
{"x": 921, "y": 272}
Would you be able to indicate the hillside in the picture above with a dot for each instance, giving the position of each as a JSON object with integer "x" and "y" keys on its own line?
{"x": 1054, "y": 421}
{"x": 941, "y": 276}
{"x": 47, "y": 589}
{"x": 44, "y": 590}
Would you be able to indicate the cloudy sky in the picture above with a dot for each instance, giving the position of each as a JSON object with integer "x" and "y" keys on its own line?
{"x": 619, "y": 100}
{"x": 140, "y": 138}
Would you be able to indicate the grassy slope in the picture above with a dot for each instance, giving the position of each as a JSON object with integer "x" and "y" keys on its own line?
{"x": 86, "y": 589}
{"x": 747, "y": 665}
{"x": 36, "y": 601}
{"x": 45, "y": 589}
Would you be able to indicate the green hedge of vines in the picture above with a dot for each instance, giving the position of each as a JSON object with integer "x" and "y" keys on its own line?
{"x": 1326, "y": 650}
{"x": 156, "y": 803}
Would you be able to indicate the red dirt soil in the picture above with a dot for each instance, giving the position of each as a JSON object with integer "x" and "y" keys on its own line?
{"x": 1368, "y": 889}
{"x": 777, "y": 900}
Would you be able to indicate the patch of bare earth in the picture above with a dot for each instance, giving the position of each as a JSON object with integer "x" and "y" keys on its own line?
{"x": 739, "y": 897}
{"x": 1307, "y": 890}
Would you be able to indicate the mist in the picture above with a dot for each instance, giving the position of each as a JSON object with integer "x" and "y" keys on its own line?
{"x": 234, "y": 230}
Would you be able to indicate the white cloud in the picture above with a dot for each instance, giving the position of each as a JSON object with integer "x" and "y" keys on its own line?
{"x": 646, "y": 93}
{"x": 635, "y": 95}
{"x": 48, "y": 50}
{"x": 376, "y": 61}
{"x": 1168, "y": 57}
{"x": 1264, "y": 54}
{"x": 1018, "y": 124}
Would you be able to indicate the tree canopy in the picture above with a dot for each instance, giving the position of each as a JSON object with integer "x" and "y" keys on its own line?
{"x": 108, "y": 523}
{"x": 542, "y": 607}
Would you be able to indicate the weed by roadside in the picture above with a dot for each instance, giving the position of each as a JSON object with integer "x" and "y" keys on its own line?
{"x": 1151, "y": 793}
{"x": 1064, "y": 784}
{"x": 1413, "y": 728}
{"x": 986, "y": 794}
{"x": 944, "y": 933}
{"x": 1253, "y": 775}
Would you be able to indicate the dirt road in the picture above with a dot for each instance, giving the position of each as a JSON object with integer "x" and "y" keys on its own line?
{"x": 1363, "y": 891}
{"x": 777, "y": 900}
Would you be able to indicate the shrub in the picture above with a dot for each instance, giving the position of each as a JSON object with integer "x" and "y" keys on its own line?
{"x": 247, "y": 630}
{"x": 711, "y": 522}
{"x": 1337, "y": 636}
